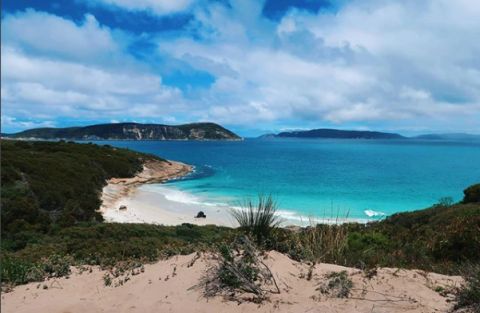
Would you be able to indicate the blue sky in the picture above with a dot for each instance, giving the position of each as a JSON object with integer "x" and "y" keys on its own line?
{"x": 253, "y": 66}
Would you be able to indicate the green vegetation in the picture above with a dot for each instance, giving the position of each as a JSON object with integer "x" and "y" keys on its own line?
{"x": 439, "y": 239}
{"x": 472, "y": 194}
{"x": 47, "y": 185}
{"x": 107, "y": 245}
{"x": 337, "y": 285}
{"x": 258, "y": 219}
{"x": 317, "y": 243}
{"x": 239, "y": 270}
{"x": 132, "y": 131}
{"x": 468, "y": 296}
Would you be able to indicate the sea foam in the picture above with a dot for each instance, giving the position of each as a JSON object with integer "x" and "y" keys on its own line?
{"x": 372, "y": 213}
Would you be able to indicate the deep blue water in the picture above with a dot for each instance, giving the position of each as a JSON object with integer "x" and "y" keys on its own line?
{"x": 324, "y": 177}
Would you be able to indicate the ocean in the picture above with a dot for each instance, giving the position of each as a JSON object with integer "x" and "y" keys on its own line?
{"x": 320, "y": 178}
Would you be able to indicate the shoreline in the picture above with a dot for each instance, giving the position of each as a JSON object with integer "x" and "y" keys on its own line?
{"x": 117, "y": 190}
{"x": 145, "y": 199}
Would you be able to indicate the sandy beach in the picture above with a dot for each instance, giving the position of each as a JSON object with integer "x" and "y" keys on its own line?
{"x": 142, "y": 199}
{"x": 166, "y": 286}
{"x": 146, "y": 199}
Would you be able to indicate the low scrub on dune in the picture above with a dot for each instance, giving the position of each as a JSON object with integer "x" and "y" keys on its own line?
{"x": 442, "y": 239}
{"x": 107, "y": 245}
{"x": 468, "y": 296}
{"x": 239, "y": 273}
{"x": 316, "y": 243}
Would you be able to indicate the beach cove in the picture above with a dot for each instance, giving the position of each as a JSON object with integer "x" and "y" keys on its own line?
{"x": 358, "y": 180}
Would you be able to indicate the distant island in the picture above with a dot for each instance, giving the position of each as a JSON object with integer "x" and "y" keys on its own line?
{"x": 452, "y": 136}
{"x": 337, "y": 133}
{"x": 328, "y": 133}
{"x": 131, "y": 131}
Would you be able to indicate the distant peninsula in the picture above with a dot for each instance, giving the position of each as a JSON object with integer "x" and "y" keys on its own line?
{"x": 131, "y": 131}
{"x": 329, "y": 133}
{"x": 337, "y": 134}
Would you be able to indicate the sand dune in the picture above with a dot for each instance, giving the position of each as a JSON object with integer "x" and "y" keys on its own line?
{"x": 166, "y": 287}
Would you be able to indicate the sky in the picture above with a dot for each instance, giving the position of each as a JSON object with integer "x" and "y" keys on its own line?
{"x": 253, "y": 66}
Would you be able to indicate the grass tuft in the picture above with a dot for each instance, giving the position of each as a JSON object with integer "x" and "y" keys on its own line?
{"x": 259, "y": 219}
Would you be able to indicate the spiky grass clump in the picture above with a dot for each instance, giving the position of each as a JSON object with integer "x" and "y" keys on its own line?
{"x": 259, "y": 219}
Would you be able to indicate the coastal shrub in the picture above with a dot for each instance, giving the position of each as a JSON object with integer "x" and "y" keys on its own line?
{"x": 259, "y": 219}
{"x": 445, "y": 202}
{"x": 57, "y": 265}
{"x": 326, "y": 243}
{"x": 472, "y": 194}
{"x": 337, "y": 285}
{"x": 57, "y": 183}
{"x": 468, "y": 296}
{"x": 107, "y": 245}
{"x": 316, "y": 243}
{"x": 239, "y": 270}
{"x": 15, "y": 271}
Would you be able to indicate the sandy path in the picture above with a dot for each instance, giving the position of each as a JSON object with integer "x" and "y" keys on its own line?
{"x": 158, "y": 289}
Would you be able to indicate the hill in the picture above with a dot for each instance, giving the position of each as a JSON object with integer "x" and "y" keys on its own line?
{"x": 57, "y": 184}
{"x": 338, "y": 134}
{"x": 132, "y": 131}
{"x": 452, "y": 136}
{"x": 328, "y": 133}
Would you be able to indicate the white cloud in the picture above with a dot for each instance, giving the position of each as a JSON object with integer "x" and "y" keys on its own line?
{"x": 47, "y": 34}
{"x": 36, "y": 86}
{"x": 371, "y": 61}
{"x": 373, "y": 64}
{"x": 160, "y": 7}
{"x": 64, "y": 77}
{"x": 14, "y": 123}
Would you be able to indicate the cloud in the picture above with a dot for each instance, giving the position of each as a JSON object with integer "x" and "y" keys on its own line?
{"x": 37, "y": 86}
{"x": 371, "y": 62}
{"x": 14, "y": 123}
{"x": 160, "y": 7}
{"x": 48, "y": 80}
{"x": 46, "y": 34}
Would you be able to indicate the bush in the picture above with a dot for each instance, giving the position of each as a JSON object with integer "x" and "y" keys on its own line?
{"x": 239, "y": 269}
{"x": 445, "y": 202}
{"x": 319, "y": 243}
{"x": 50, "y": 184}
{"x": 15, "y": 271}
{"x": 469, "y": 295}
{"x": 338, "y": 285}
{"x": 472, "y": 194}
{"x": 57, "y": 265}
{"x": 258, "y": 219}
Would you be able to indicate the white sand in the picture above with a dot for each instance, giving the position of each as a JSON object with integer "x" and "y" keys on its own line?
{"x": 145, "y": 205}
{"x": 166, "y": 287}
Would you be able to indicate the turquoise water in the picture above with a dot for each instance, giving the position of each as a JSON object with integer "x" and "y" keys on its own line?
{"x": 361, "y": 178}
